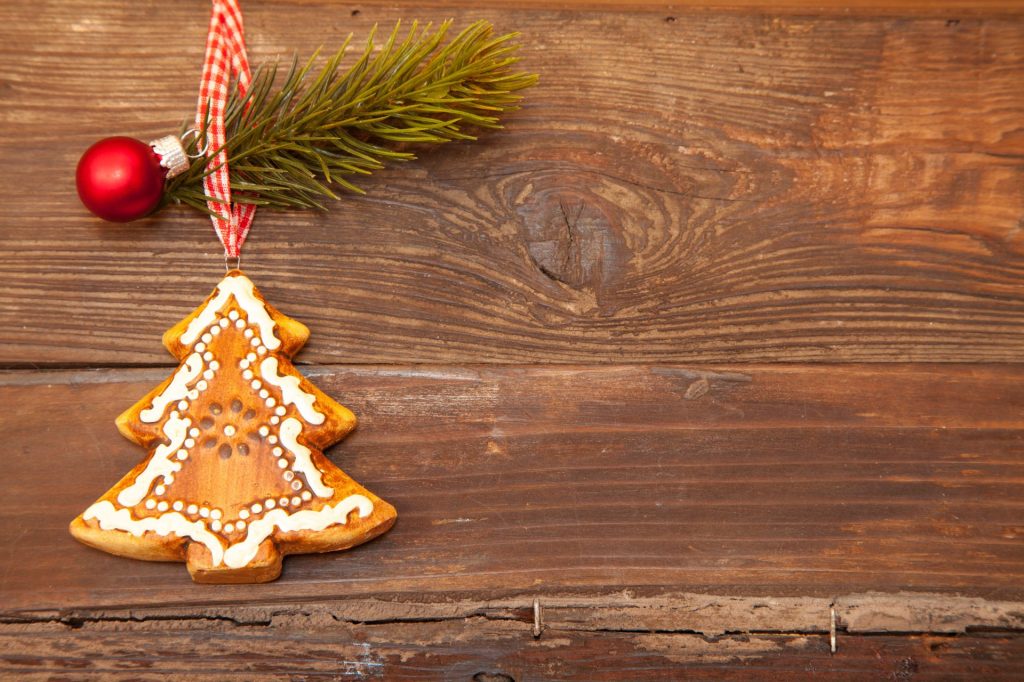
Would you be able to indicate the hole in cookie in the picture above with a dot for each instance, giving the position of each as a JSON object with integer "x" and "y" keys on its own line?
{"x": 236, "y": 405}
{"x": 206, "y": 422}
{"x": 215, "y": 408}
{"x": 210, "y": 442}
{"x": 243, "y": 450}
{"x": 224, "y": 451}
{"x": 249, "y": 414}
{"x": 255, "y": 436}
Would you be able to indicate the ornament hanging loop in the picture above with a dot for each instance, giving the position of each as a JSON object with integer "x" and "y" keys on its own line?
{"x": 200, "y": 150}
{"x": 232, "y": 263}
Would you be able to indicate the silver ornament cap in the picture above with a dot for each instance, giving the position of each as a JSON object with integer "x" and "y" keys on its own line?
{"x": 172, "y": 154}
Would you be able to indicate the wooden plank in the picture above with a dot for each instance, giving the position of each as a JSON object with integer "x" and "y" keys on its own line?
{"x": 484, "y": 651}
{"x": 783, "y": 481}
{"x": 728, "y": 187}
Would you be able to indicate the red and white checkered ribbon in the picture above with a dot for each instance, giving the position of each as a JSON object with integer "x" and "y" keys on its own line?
{"x": 225, "y": 56}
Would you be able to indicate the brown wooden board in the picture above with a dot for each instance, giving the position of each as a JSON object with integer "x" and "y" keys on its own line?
{"x": 571, "y": 349}
{"x": 778, "y": 481}
{"x": 484, "y": 651}
{"x": 725, "y": 186}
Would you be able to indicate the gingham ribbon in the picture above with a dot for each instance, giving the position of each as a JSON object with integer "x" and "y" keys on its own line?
{"x": 225, "y": 56}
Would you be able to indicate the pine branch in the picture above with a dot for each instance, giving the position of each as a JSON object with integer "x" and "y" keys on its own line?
{"x": 287, "y": 146}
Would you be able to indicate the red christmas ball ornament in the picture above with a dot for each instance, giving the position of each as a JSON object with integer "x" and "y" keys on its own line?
{"x": 121, "y": 179}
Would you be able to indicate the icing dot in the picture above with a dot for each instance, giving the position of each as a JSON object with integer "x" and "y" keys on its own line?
{"x": 190, "y": 442}
{"x": 271, "y": 402}
{"x": 214, "y": 365}
{"x": 178, "y": 505}
{"x": 283, "y": 502}
{"x": 193, "y": 432}
{"x": 240, "y": 525}
{"x": 206, "y": 338}
{"x": 182, "y": 405}
{"x": 200, "y": 347}
{"x": 150, "y": 503}
{"x": 162, "y": 506}
{"x": 192, "y": 509}
{"x": 264, "y": 431}
{"x": 243, "y": 363}
{"x": 247, "y": 374}
{"x": 271, "y": 503}
{"x": 182, "y": 454}
{"x": 207, "y": 356}
{"x": 306, "y": 495}
{"x": 289, "y": 475}
{"x": 229, "y": 528}
{"x": 297, "y": 485}
{"x": 261, "y": 350}
{"x": 204, "y": 512}
{"x": 251, "y": 357}
{"x": 223, "y": 323}
{"x": 216, "y": 514}
{"x": 202, "y": 385}
{"x": 243, "y": 513}
{"x": 160, "y": 490}
{"x": 215, "y": 526}
{"x": 176, "y": 466}
{"x": 256, "y": 508}
{"x": 277, "y": 450}
{"x": 239, "y": 324}
{"x": 254, "y": 342}
{"x": 215, "y": 330}
{"x": 283, "y": 463}
{"x": 275, "y": 419}
{"x": 296, "y": 501}
{"x": 233, "y": 315}
{"x": 193, "y": 394}
{"x": 229, "y": 430}
{"x": 168, "y": 479}
{"x": 248, "y": 333}
{"x": 264, "y": 393}
{"x": 280, "y": 411}
{"x": 208, "y": 374}
{"x": 256, "y": 384}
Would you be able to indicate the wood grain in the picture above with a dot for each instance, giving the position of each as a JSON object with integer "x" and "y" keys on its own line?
{"x": 728, "y": 186}
{"x": 783, "y": 481}
{"x": 484, "y": 651}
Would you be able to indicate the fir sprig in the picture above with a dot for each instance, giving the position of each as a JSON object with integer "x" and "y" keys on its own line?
{"x": 286, "y": 146}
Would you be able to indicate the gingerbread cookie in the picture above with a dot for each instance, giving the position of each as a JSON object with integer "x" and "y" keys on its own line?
{"x": 235, "y": 477}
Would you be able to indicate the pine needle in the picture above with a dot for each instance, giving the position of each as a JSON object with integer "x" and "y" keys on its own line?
{"x": 287, "y": 146}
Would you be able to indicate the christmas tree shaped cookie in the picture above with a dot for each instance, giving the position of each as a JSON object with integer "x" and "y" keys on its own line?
{"x": 235, "y": 478}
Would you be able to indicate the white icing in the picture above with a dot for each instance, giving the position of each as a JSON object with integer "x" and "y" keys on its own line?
{"x": 121, "y": 519}
{"x": 242, "y": 290}
{"x": 175, "y": 429}
{"x": 290, "y": 428}
{"x": 176, "y": 390}
{"x": 240, "y": 554}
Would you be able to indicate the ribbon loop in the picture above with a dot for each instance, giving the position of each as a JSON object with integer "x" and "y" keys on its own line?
{"x": 225, "y": 58}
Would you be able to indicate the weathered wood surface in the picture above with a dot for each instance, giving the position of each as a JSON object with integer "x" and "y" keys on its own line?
{"x": 686, "y": 193}
{"x": 484, "y": 651}
{"x": 717, "y": 186}
{"x": 779, "y": 481}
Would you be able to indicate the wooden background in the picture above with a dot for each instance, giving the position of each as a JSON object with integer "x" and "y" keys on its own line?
{"x": 721, "y": 337}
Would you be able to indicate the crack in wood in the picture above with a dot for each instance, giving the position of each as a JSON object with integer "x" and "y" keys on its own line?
{"x": 706, "y": 616}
